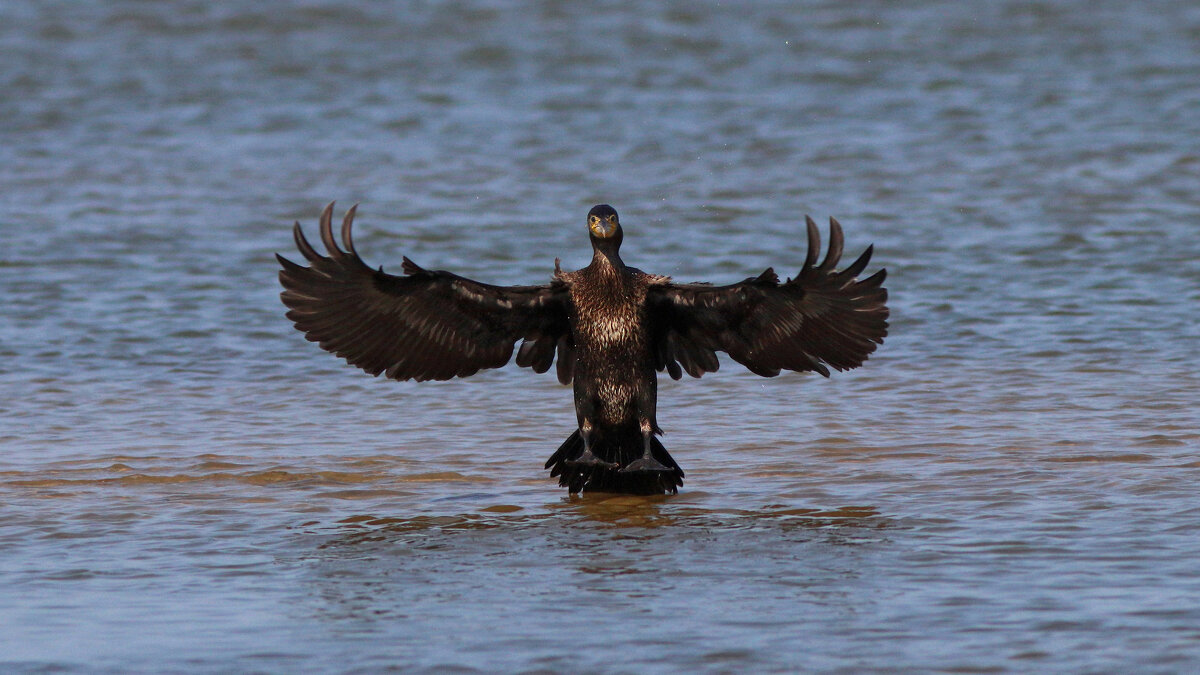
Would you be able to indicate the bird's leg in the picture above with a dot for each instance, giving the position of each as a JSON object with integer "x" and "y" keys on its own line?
{"x": 587, "y": 458}
{"x": 647, "y": 461}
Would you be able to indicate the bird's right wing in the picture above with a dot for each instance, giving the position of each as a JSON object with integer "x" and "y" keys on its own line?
{"x": 426, "y": 325}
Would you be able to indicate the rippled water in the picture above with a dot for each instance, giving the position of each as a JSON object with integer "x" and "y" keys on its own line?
{"x": 1008, "y": 485}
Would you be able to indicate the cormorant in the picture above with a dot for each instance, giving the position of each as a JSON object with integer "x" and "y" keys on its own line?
{"x": 610, "y": 326}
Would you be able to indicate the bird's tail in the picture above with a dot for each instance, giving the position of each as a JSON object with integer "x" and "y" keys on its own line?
{"x": 619, "y": 448}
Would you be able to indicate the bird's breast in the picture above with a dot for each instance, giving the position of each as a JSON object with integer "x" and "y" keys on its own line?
{"x": 609, "y": 329}
{"x": 607, "y": 318}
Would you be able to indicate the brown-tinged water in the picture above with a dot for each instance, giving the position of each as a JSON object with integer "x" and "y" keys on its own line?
{"x": 1009, "y": 485}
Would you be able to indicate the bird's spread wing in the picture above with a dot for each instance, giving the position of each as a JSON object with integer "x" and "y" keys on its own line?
{"x": 821, "y": 319}
{"x": 426, "y": 325}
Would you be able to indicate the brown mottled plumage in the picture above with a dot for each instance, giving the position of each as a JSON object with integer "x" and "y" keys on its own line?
{"x": 609, "y": 326}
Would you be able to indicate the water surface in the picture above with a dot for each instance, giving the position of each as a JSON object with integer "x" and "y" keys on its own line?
{"x": 1007, "y": 486}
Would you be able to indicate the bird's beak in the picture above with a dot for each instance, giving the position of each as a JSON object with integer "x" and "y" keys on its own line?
{"x": 604, "y": 228}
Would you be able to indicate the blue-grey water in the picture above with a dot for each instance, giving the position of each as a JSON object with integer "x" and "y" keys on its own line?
{"x": 1008, "y": 485}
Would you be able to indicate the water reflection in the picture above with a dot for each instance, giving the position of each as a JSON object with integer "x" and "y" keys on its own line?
{"x": 644, "y": 570}
{"x": 597, "y": 515}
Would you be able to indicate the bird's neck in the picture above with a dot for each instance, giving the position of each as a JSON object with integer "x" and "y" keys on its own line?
{"x": 607, "y": 258}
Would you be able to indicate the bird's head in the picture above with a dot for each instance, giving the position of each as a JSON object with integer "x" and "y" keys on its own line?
{"x": 604, "y": 227}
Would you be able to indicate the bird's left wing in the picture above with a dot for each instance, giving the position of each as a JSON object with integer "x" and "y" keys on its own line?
{"x": 426, "y": 325}
{"x": 820, "y": 319}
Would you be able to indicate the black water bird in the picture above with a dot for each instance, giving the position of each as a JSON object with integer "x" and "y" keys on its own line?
{"x": 608, "y": 325}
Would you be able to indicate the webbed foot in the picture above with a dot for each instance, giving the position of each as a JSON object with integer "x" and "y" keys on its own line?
{"x": 645, "y": 464}
{"x": 587, "y": 459}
